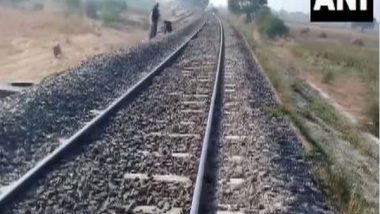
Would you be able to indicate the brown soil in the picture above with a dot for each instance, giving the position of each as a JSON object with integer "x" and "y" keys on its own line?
{"x": 27, "y": 39}
{"x": 347, "y": 94}
{"x": 335, "y": 36}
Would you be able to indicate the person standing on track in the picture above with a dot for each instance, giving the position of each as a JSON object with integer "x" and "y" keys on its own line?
{"x": 154, "y": 16}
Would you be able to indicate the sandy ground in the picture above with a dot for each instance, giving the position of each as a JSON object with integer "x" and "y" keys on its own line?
{"x": 27, "y": 38}
{"x": 348, "y": 94}
{"x": 335, "y": 36}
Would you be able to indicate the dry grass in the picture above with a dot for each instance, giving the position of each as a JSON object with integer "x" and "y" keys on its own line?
{"x": 27, "y": 40}
{"x": 334, "y": 64}
{"x": 337, "y": 179}
{"x": 334, "y": 36}
{"x": 336, "y": 59}
{"x": 340, "y": 189}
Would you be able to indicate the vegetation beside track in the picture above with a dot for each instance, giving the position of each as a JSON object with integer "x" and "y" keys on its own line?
{"x": 344, "y": 161}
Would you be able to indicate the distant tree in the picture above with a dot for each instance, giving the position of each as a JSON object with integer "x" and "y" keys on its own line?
{"x": 110, "y": 10}
{"x": 205, "y": 3}
{"x": 247, "y": 7}
{"x": 13, "y": 3}
{"x": 196, "y": 3}
{"x": 270, "y": 24}
{"x": 73, "y": 5}
{"x": 263, "y": 13}
{"x": 273, "y": 27}
{"x": 364, "y": 25}
{"x": 234, "y": 7}
{"x": 214, "y": 9}
{"x": 90, "y": 8}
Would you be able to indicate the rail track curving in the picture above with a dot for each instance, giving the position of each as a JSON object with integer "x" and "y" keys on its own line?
{"x": 142, "y": 152}
{"x": 194, "y": 135}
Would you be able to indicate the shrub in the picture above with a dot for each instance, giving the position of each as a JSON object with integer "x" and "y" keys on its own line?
{"x": 110, "y": 10}
{"x": 91, "y": 9}
{"x": 272, "y": 27}
{"x": 328, "y": 77}
{"x": 262, "y": 14}
{"x": 73, "y": 6}
{"x": 373, "y": 115}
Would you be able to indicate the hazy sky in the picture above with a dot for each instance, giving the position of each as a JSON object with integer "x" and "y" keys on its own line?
{"x": 294, "y": 5}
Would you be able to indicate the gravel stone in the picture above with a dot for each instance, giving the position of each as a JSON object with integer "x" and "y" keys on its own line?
{"x": 96, "y": 177}
{"x": 276, "y": 177}
{"x": 33, "y": 122}
{"x": 142, "y": 138}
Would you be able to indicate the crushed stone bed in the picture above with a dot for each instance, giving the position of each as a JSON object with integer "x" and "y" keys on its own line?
{"x": 146, "y": 156}
{"x": 33, "y": 122}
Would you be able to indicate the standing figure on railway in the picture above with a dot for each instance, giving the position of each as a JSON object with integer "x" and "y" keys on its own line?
{"x": 154, "y": 16}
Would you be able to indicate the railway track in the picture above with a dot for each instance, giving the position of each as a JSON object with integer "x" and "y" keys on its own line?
{"x": 193, "y": 136}
{"x": 35, "y": 121}
{"x": 254, "y": 163}
{"x": 141, "y": 158}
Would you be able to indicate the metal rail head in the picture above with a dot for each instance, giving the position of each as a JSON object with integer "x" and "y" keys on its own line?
{"x": 196, "y": 200}
{"x": 21, "y": 184}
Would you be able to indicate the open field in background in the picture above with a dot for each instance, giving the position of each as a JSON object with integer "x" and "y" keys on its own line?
{"x": 328, "y": 87}
{"x": 27, "y": 39}
{"x": 28, "y": 35}
{"x": 348, "y": 73}
{"x": 338, "y": 36}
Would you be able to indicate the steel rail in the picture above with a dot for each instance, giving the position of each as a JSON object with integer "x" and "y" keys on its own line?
{"x": 18, "y": 186}
{"x": 196, "y": 200}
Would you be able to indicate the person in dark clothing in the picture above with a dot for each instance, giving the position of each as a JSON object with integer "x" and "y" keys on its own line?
{"x": 155, "y": 15}
{"x": 168, "y": 27}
